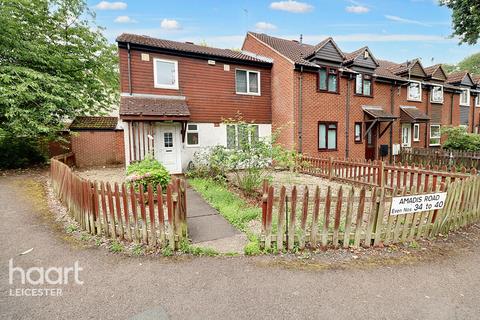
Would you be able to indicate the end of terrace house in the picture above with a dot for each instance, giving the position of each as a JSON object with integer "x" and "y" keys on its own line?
{"x": 175, "y": 97}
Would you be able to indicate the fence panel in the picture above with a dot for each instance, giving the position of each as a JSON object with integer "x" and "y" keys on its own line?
{"x": 100, "y": 209}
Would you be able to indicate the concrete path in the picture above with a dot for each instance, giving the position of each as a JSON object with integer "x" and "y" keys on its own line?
{"x": 206, "y": 227}
{"x": 116, "y": 286}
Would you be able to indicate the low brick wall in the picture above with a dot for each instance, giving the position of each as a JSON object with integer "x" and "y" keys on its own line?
{"x": 98, "y": 147}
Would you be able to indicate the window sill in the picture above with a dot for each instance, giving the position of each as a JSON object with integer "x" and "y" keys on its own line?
{"x": 327, "y": 150}
{"x": 436, "y": 102}
{"x": 362, "y": 95}
{"x": 165, "y": 87}
{"x": 358, "y": 142}
{"x": 248, "y": 94}
{"x": 326, "y": 91}
{"x": 414, "y": 100}
{"x": 434, "y": 145}
{"x": 416, "y": 140}
{"x": 464, "y": 105}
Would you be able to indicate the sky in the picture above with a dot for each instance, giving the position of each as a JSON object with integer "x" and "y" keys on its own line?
{"x": 396, "y": 30}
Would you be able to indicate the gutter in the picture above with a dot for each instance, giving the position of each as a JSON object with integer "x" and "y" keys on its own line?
{"x": 130, "y": 90}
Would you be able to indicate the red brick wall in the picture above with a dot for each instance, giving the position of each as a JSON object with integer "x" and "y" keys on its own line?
{"x": 283, "y": 119}
{"x": 210, "y": 91}
{"x": 96, "y": 148}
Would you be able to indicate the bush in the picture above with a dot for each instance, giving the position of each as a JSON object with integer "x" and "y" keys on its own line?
{"x": 147, "y": 171}
{"x": 459, "y": 139}
{"x": 209, "y": 163}
{"x": 19, "y": 152}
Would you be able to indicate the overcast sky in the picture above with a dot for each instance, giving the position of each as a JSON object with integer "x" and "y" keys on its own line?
{"x": 395, "y": 30}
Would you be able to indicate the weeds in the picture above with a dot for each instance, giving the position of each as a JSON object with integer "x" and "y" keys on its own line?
{"x": 138, "y": 250}
{"x": 71, "y": 228}
{"x": 116, "y": 247}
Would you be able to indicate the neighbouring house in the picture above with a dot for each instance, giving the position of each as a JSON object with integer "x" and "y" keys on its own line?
{"x": 176, "y": 97}
{"x": 97, "y": 141}
{"x": 354, "y": 105}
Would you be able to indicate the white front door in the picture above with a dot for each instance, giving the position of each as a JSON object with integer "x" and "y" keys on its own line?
{"x": 167, "y": 147}
{"x": 406, "y": 135}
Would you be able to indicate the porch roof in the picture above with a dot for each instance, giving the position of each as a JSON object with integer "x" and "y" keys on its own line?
{"x": 413, "y": 114}
{"x": 378, "y": 113}
{"x": 153, "y": 108}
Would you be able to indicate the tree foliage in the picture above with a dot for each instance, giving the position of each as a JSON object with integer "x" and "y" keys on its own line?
{"x": 55, "y": 64}
{"x": 465, "y": 19}
{"x": 470, "y": 64}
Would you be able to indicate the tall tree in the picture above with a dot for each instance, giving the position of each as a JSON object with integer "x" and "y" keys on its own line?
{"x": 465, "y": 18}
{"x": 54, "y": 64}
{"x": 470, "y": 64}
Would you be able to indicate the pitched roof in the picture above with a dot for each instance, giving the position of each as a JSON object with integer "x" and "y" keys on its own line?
{"x": 384, "y": 70}
{"x": 414, "y": 113}
{"x": 94, "y": 123}
{"x": 379, "y": 113}
{"x": 140, "y": 106}
{"x": 432, "y": 69}
{"x": 457, "y": 76}
{"x": 190, "y": 48}
{"x": 293, "y": 50}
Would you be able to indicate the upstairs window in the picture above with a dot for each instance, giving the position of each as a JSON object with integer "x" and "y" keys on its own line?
{"x": 477, "y": 100}
{"x": 465, "y": 97}
{"x": 328, "y": 79}
{"x": 240, "y": 135}
{"x": 247, "y": 82}
{"x": 165, "y": 74}
{"x": 436, "y": 95}
{"x": 327, "y": 136}
{"x": 414, "y": 91}
{"x": 363, "y": 84}
{"x": 435, "y": 135}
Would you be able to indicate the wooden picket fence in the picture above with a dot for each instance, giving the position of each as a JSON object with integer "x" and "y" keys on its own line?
{"x": 440, "y": 157}
{"x": 354, "y": 218}
{"x": 379, "y": 174}
{"x": 119, "y": 212}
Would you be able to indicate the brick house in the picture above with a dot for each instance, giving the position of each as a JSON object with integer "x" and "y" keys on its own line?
{"x": 353, "y": 105}
{"x": 322, "y": 101}
{"x": 175, "y": 97}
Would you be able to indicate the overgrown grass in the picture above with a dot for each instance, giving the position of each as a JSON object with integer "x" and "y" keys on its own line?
{"x": 230, "y": 205}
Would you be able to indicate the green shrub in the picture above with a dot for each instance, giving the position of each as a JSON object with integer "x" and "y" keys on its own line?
{"x": 459, "y": 139}
{"x": 147, "y": 171}
{"x": 210, "y": 163}
{"x": 19, "y": 152}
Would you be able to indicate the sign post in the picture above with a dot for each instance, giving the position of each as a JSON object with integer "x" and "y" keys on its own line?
{"x": 418, "y": 203}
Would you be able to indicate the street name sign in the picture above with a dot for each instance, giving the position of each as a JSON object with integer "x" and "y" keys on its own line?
{"x": 418, "y": 203}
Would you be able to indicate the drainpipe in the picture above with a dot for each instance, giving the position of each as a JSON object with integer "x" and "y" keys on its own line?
{"x": 427, "y": 127}
{"x": 129, "y": 64}
{"x": 451, "y": 108}
{"x": 300, "y": 111}
{"x": 347, "y": 119}
{"x": 392, "y": 110}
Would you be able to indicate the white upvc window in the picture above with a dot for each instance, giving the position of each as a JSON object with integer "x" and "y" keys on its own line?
{"x": 240, "y": 135}
{"x": 435, "y": 135}
{"x": 436, "y": 95}
{"x": 465, "y": 97}
{"x": 477, "y": 100}
{"x": 165, "y": 74}
{"x": 416, "y": 132}
{"x": 247, "y": 82}
{"x": 192, "y": 134}
{"x": 414, "y": 91}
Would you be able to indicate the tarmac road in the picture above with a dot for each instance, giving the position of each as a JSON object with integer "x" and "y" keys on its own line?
{"x": 116, "y": 286}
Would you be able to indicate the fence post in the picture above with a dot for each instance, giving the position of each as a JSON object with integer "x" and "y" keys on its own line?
{"x": 380, "y": 174}
{"x": 330, "y": 168}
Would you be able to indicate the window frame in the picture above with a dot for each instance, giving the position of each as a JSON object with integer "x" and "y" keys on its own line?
{"x": 408, "y": 91}
{"x": 327, "y": 129}
{"x": 165, "y": 86}
{"x": 431, "y": 94}
{"x": 359, "y": 140}
{"x": 416, "y": 130}
{"x": 248, "y": 93}
{"x": 187, "y": 131}
{"x": 477, "y": 100}
{"x": 236, "y": 142}
{"x": 327, "y": 69}
{"x": 435, "y": 137}
{"x": 363, "y": 85}
{"x": 466, "y": 104}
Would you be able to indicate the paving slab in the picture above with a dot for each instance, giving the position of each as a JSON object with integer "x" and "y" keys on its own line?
{"x": 204, "y": 222}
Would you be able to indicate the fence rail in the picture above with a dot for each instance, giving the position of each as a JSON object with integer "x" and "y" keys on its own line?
{"x": 379, "y": 174}
{"x": 352, "y": 219}
{"x": 120, "y": 212}
{"x": 440, "y": 157}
